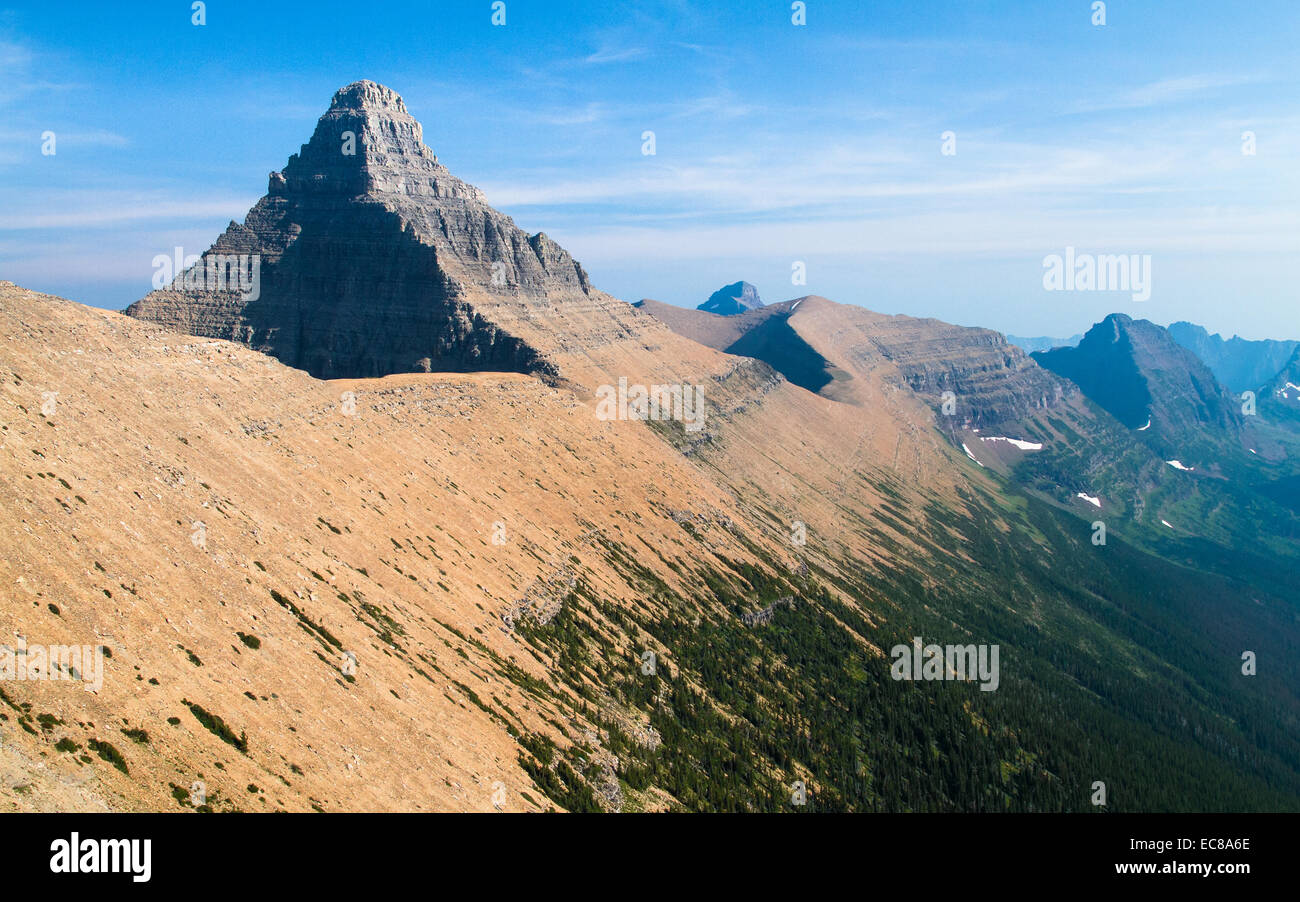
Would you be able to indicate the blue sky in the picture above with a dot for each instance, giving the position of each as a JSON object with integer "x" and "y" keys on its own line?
{"x": 774, "y": 143}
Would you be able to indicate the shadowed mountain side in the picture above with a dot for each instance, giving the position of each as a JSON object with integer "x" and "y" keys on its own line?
{"x": 763, "y": 333}
{"x": 1136, "y": 371}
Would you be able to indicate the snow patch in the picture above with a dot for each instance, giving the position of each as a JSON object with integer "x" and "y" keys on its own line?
{"x": 1167, "y": 523}
{"x": 1146, "y": 427}
{"x": 1019, "y": 443}
{"x": 968, "y": 454}
{"x": 1088, "y": 498}
{"x": 1178, "y": 465}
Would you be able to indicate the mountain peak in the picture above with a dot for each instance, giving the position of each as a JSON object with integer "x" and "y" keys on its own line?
{"x": 732, "y": 299}
{"x": 368, "y": 143}
{"x": 367, "y": 95}
{"x": 372, "y": 258}
{"x": 1136, "y": 371}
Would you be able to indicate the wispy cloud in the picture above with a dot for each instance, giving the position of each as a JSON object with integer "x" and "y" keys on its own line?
{"x": 945, "y": 235}
{"x": 840, "y": 175}
{"x": 14, "y": 58}
{"x": 20, "y": 76}
{"x": 616, "y": 55}
{"x": 585, "y": 115}
{"x": 722, "y": 104}
{"x": 1166, "y": 91}
{"x": 108, "y": 209}
{"x": 95, "y": 137}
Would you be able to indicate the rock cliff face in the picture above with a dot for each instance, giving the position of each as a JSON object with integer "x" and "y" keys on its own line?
{"x": 375, "y": 259}
{"x": 994, "y": 382}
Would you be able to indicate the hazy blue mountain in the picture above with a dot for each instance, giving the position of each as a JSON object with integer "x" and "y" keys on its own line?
{"x": 1238, "y": 363}
{"x": 732, "y": 299}
{"x": 1136, "y": 371}
{"x": 1043, "y": 342}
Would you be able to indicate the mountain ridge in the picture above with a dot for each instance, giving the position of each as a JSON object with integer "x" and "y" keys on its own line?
{"x": 1240, "y": 364}
{"x": 362, "y": 516}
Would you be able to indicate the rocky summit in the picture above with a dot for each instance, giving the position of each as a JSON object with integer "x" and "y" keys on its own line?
{"x": 374, "y": 259}
{"x": 732, "y": 299}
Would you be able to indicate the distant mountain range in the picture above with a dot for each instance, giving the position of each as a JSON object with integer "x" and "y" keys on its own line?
{"x": 1238, "y": 363}
{"x": 1042, "y": 342}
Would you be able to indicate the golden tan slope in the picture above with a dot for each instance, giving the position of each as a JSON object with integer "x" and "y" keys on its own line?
{"x": 394, "y": 507}
{"x": 181, "y": 491}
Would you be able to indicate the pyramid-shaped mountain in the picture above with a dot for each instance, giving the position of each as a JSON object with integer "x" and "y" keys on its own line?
{"x": 373, "y": 259}
{"x": 1136, "y": 371}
